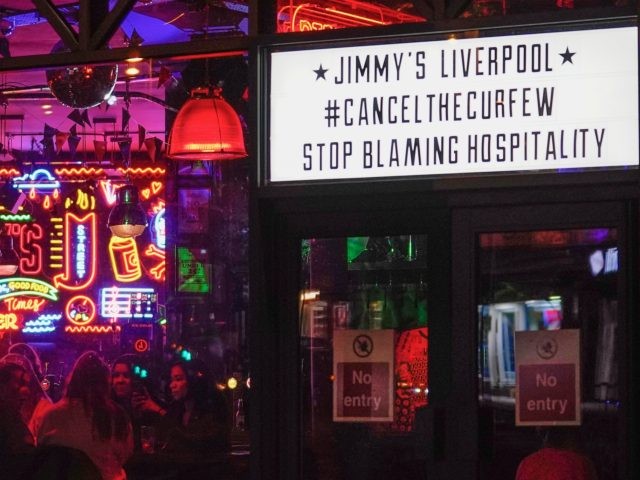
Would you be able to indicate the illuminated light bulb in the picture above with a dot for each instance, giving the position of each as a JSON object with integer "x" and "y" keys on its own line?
{"x": 232, "y": 383}
{"x": 132, "y": 71}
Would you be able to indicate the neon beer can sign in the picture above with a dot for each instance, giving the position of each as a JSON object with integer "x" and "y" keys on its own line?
{"x": 552, "y": 101}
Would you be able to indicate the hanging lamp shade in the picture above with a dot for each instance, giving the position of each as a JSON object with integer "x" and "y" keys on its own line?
{"x": 8, "y": 256}
{"x": 127, "y": 218}
{"x": 206, "y": 128}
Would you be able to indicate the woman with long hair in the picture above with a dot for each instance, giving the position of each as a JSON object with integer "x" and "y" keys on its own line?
{"x": 133, "y": 396}
{"x": 35, "y": 399}
{"x": 87, "y": 419}
{"x": 197, "y": 420}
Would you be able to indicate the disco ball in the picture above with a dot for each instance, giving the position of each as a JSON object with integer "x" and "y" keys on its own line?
{"x": 84, "y": 86}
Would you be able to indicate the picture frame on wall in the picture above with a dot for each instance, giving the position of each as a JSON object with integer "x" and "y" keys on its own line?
{"x": 193, "y": 271}
{"x": 193, "y": 210}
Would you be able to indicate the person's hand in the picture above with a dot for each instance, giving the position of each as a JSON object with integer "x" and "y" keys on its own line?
{"x": 142, "y": 402}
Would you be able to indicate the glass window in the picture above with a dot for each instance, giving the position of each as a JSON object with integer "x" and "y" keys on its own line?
{"x": 547, "y": 280}
{"x": 365, "y": 339}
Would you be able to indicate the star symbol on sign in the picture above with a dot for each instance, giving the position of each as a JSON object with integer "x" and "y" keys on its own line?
{"x": 567, "y": 56}
{"x": 320, "y": 72}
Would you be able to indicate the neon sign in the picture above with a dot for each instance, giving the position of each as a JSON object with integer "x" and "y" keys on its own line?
{"x": 157, "y": 271}
{"x": 152, "y": 190}
{"x": 80, "y": 310}
{"x": 92, "y": 329}
{"x": 9, "y": 321}
{"x": 108, "y": 191}
{"x": 158, "y": 227}
{"x": 127, "y": 302}
{"x": 16, "y": 218}
{"x": 125, "y": 262}
{"x": 16, "y": 286}
{"x": 42, "y": 324}
{"x": 141, "y": 345}
{"x": 56, "y": 246}
{"x": 71, "y": 278}
{"x": 79, "y": 172}
{"x": 67, "y": 254}
{"x": 14, "y": 304}
{"x": 39, "y": 180}
{"x": 339, "y": 14}
{"x": 30, "y": 251}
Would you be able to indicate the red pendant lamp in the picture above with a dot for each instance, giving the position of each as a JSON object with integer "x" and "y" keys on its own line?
{"x": 206, "y": 128}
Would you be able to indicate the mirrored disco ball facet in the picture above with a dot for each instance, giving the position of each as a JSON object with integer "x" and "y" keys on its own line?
{"x": 82, "y": 86}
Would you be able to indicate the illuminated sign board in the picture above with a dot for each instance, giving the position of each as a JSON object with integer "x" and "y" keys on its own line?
{"x": 548, "y": 377}
{"x": 363, "y": 368}
{"x": 68, "y": 257}
{"x": 552, "y": 101}
{"x": 127, "y": 302}
{"x": 12, "y": 287}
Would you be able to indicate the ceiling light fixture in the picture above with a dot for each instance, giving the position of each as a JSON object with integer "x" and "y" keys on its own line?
{"x": 206, "y": 128}
{"x": 127, "y": 218}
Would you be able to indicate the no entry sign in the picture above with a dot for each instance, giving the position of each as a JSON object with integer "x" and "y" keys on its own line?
{"x": 363, "y": 386}
{"x": 548, "y": 378}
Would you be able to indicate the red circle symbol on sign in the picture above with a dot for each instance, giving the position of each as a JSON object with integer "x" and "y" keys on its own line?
{"x": 141, "y": 345}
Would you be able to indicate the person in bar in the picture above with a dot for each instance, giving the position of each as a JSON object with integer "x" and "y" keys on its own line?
{"x": 197, "y": 421}
{"x": 35, "y": 399}
{"x": 88, "y": 420}
{"x": 16, "y": 441}
{"x": 133, "y": 396}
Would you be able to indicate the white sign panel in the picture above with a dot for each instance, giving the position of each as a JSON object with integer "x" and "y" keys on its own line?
{"x": 548, "y": 378}
{"x": 559, "y": 100}
{"x": 363, "y": 373}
